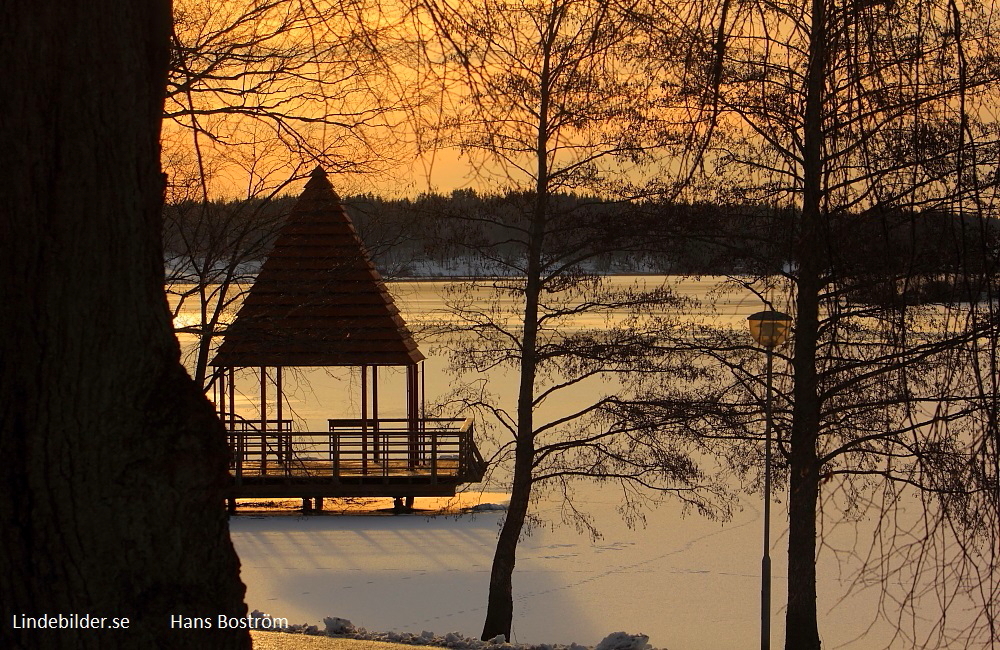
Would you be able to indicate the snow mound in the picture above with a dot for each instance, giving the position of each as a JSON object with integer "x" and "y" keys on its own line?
{"x": 487, "y": 507}
{"x": 335, "y": 625}
{"x": 264, "y": 622}
{"x": 624, "y": 641}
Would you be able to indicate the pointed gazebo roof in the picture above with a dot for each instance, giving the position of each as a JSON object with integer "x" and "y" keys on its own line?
{"x": 318, "y": 300}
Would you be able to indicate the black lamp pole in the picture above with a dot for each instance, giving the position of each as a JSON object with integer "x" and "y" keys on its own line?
{"x": 770, "y": 329}
{"x": 765, "y": 562}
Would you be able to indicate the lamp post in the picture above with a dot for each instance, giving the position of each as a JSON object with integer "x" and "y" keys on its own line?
{"x": 769, "y": 329}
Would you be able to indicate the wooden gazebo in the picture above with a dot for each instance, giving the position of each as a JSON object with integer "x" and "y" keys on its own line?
{"x": 318, "y": 301}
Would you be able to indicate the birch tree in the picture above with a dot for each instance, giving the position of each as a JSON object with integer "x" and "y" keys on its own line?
{"x": 551, "y": 98}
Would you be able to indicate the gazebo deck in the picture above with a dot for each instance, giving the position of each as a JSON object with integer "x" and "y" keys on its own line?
{"x": 385, "y": 457}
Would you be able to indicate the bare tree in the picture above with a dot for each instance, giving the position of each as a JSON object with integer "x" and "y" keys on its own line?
{"x": 258, "y": 93}
{"x": 860, "y": 121}
{"x": 258, "y": 88}
{"x": 110, "y": 498}
{"x": 550, "y": 99}
{"x": 213, "y": 252}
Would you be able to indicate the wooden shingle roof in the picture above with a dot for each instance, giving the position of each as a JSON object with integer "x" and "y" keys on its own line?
{"x": 318, "y": 300}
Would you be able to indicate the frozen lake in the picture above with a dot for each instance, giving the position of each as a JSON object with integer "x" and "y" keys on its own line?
{"x": 687, "y": 582}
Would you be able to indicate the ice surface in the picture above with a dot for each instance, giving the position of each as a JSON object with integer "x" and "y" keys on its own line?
{"x": 687, "y": 583}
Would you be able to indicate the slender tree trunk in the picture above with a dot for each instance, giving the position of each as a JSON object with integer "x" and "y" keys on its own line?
{"x": 500, "y": 609}
{"x": 801, "y": 627}
{"x": 204, "y": 349}
{"x": 113, "y": 462}
{"x": 204, "y": 337}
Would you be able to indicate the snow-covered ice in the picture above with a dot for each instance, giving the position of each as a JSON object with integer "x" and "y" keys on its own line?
{"x": 683, "y": 583}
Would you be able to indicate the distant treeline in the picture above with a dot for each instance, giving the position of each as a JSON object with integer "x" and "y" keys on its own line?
{"x": 447, "y": 235}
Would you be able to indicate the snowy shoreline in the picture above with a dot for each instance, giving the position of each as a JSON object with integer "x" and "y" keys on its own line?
{"x": 340, "y": 628}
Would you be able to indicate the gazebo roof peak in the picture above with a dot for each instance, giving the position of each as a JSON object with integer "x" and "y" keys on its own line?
{"x": 318, "y": 178}
{"x": 318, "y": 299}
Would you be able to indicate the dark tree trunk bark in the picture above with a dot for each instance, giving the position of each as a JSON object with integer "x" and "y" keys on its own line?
{"x": 801, "y": 626}
{"x": 113, "y": 462}
{"x": 500, "y": 606}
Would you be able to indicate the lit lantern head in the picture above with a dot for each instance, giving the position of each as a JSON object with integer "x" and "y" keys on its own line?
{"x": 770, "y": 328}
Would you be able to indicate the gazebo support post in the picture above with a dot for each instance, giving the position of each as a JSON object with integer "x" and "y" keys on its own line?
{"x": 240, "y": 438}
{"x": 220, "y": 400}
{"x": 263, "y": 420}
{"x": 232, "y": 399}
{"x": 219, "y": 392}
{"x": 364, "y": 420}
{"x": 284, "y": 442}
{"x": 413, "y": 435}
{"x": 375, "y": 427}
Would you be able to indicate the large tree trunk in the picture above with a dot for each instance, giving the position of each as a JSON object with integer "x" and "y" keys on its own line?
{"x": 110, "y": 501}
{"x": 801, "y": 625}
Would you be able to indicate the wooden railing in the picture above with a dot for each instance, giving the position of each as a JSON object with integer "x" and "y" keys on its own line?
{"x": 435, "y": 446}
{"x": 249, "y": 447}
{"x": 427, "y": 449}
